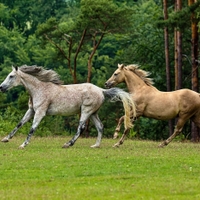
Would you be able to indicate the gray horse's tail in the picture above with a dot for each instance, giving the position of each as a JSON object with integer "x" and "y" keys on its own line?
{"x": 117, "y": 94}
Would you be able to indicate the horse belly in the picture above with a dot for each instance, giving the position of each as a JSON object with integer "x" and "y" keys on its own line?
{"x": 64, "y": 108}
{"x": 161, "y": 112}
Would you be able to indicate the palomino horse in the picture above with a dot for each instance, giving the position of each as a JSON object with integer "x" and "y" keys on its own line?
{"x": 49, "y": 97}
{"x": 150, "y": 102}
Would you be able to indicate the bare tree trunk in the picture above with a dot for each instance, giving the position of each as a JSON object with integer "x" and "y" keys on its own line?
{"x": 194, "y": 55}
{"x": 178, "y": 51}
{"x": 168, "y": 74}
{"x": 175, "y": 52}
{"x": 179, "y": 44}
{"x": 176, "y": 59}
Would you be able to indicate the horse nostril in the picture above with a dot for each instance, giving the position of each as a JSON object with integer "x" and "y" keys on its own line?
{"x": 2, "y": 89}
{"x": 107, "y": 85}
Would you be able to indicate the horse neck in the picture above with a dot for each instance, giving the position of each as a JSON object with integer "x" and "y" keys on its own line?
{"x": 134, "y": 82}
{"x": 30, "y": 82}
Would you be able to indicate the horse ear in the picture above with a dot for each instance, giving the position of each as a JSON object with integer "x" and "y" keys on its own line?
{"x": 120, "y": 66}
{"x": 15, "y": 67}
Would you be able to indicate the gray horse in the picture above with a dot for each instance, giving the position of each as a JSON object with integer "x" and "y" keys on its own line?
{"x": 49, "y": 97}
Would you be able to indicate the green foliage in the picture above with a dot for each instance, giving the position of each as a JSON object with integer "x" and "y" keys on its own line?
{"x": 11, "y": 45}
{"x": 104, "y": 15}
{"x": 181, "y": 19}
{"x": 145, "y": 44}
{"x": 147, "y": 128}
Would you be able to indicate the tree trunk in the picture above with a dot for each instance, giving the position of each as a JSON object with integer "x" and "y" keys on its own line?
{"x": 175, "y": 59}
{"x": 194, "y": 55}
{"x": 179, "y": 43}
{"x": 179, "y": 49}
{"x": 168, "y": 74}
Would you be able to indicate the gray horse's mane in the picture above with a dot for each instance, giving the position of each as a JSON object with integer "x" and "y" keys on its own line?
{"x": 42, "y": 74}
{"x": 141, "y": 73}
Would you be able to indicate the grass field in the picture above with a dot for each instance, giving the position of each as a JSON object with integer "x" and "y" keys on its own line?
{"x": 136, "y": 170}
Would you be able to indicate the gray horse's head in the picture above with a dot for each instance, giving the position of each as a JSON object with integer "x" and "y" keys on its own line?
{"x": 13, "y": 79}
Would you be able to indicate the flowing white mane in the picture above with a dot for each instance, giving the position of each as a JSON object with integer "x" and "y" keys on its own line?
{"x": 42, "y": 74}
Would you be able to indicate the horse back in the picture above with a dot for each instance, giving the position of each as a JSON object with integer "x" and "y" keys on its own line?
{"x": 70, "y": 99}
{"x": 168, "y": 105}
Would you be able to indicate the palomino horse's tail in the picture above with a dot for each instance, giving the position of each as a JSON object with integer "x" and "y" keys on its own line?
{"x": 117, "y": 94}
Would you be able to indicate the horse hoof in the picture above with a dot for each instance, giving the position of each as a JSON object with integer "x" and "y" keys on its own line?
{"x": 5, "y": 139}
{"x": 161, "y": 145}
{"x": 66, "y": 145}
{"x": 95, "y": 146}
{"x": 21, "y": 147}
{"x": 116, "y": 145}
{"x": 115, "y": 136}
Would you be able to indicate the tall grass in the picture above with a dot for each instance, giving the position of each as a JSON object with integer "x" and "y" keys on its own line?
{"x": 136, "y": 170}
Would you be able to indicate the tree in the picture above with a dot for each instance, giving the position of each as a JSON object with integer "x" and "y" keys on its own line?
{"x": 168, "y": 68}
{"x": 194, "y": 56}
{"x": 179, "y": 20}
{"x": 178, "y": 50}
{"x": 89, "y": 27}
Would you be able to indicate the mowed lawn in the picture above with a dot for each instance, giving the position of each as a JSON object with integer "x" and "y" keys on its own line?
{"x": 136, "y": 170}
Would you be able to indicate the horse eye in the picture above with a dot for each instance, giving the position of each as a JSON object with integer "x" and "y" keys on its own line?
{"x": 11, "y": 76}
{"x": 115, "y": 74}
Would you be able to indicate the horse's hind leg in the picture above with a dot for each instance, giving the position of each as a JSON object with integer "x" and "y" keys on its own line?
{"x": 117, "y": 130}
{"x": 28, "y": 115}
{"x": 99, "y": 127}
{"x": 121, "y": 141}
{"x": 177, "y": 130}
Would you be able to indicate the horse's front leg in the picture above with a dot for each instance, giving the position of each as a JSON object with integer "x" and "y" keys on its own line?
{"x": 121, "y": 141}
{"x": 36, "y": 121}
{"x": 117, "y": 130}
{"x": 28, "y": 115}
{"x": 80, "y": 130}
{"x": 99, "y": 127}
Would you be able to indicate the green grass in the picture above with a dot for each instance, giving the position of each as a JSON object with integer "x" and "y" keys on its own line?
{"x": 136, "y": 170}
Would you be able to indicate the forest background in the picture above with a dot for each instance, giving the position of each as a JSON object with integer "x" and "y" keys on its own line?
{"x": 84, "y": 40}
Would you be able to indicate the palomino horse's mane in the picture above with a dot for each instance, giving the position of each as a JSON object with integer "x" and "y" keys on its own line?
{"x": 42, "y": 74}
{"x": 141, "y": 73}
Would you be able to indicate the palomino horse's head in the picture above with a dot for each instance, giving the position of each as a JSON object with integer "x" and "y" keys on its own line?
{"x": 116, "y": 78}
{"x": 13, "y": 79}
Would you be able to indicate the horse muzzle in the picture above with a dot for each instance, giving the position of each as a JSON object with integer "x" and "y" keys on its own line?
{"x": 3, "y": 89}
{"x": 108, "y": 84}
